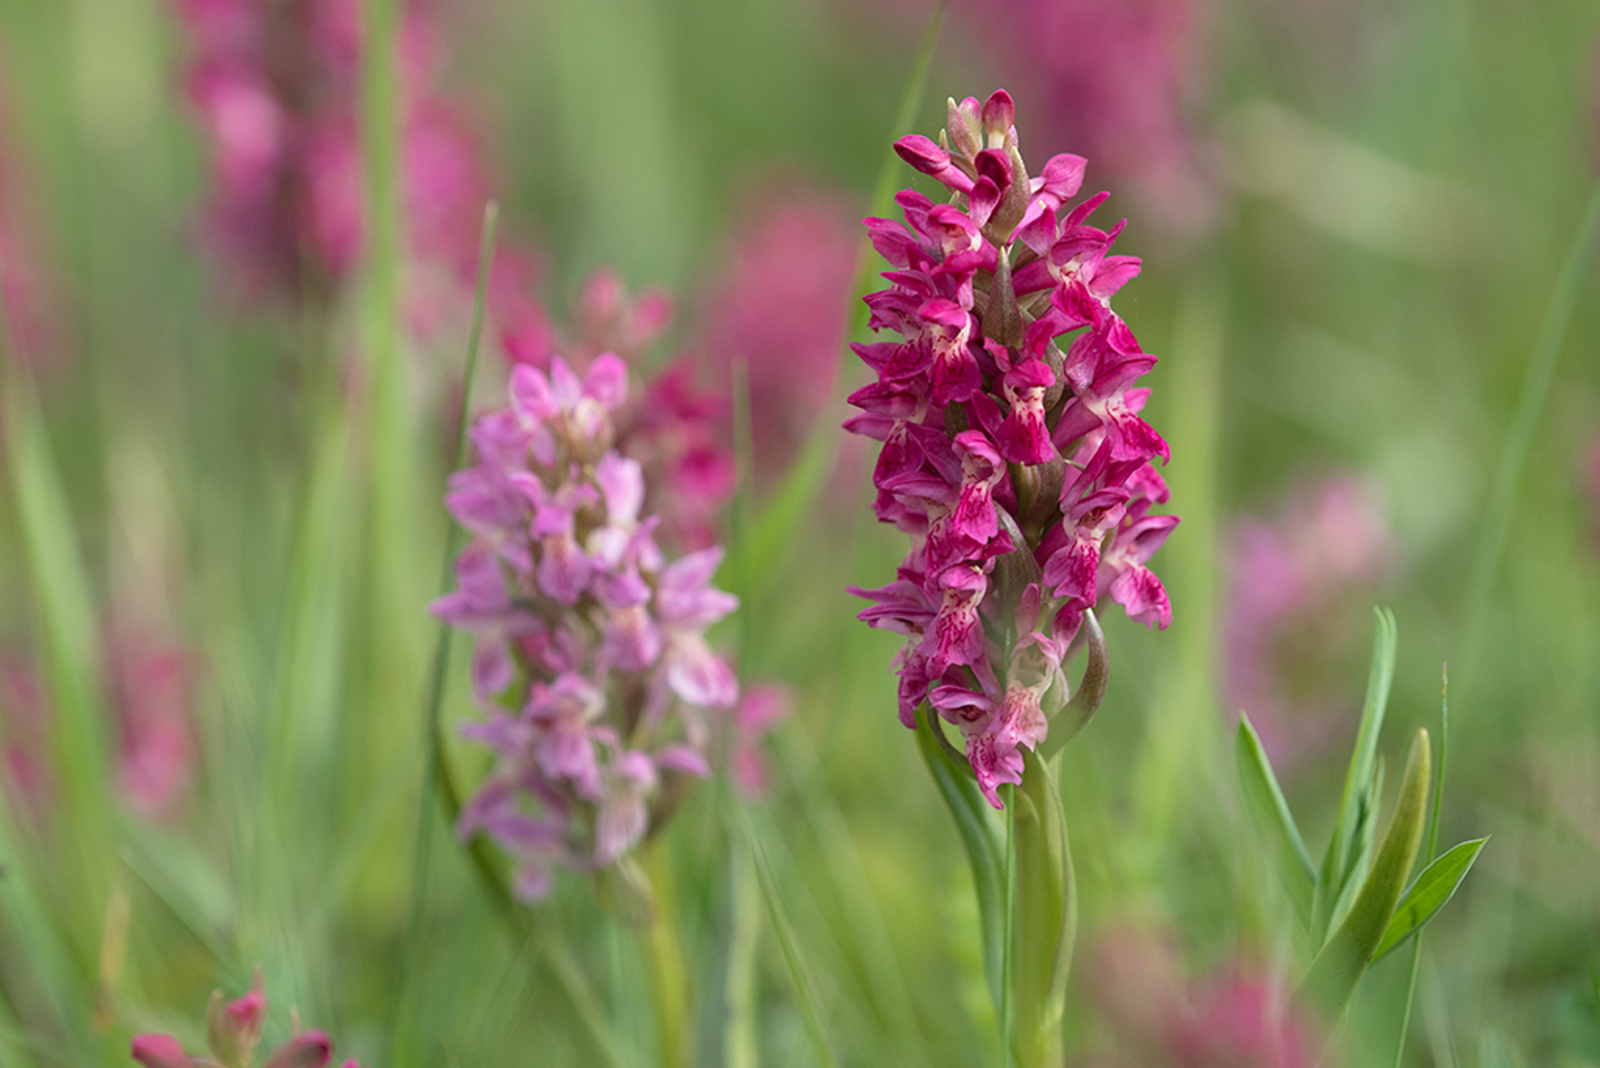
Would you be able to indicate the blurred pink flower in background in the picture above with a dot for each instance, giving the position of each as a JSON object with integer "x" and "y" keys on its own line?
{"x": 276, "y": 85}
{"x": 150, "y": 684}
{"x": 1292, "y": 613}
{"x": 148, "y": 688}
{"x": 1113, "y": 80}
{"x": 1238, "y": 1016}
{"x": 759, "y": 710}
{"x": 781, "y": 307}
{"x": 1591, "y": 486}
{"x": 25, "y": 739}
{"x": 27, "y": 329}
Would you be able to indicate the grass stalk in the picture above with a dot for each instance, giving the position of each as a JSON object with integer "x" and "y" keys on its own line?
{"x": 406, "y": 1018}
{"x": 1500, "y": 511}
{"x": 1432, "y": 852}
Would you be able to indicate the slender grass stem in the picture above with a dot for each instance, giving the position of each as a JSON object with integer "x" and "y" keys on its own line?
{"x": 406, "y": 1005}
{"x": 669, "y": 982}
{"x": 1433, "y": 849}
{"x": 1500, "y": 512}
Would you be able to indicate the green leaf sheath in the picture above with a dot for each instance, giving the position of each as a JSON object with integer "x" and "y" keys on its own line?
{"x": 1342, "y": 962}
{"x": 1431, "y": 892}
{"x": 980, "y": 835}
{"x": 1045, "y": 918}
{"x": 1274, "y": 822}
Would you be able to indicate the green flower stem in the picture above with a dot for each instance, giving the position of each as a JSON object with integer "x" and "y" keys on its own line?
{"x": 663, "y": 952}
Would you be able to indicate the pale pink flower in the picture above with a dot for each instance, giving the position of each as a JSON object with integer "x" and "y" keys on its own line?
{"x": 592, "y": 658}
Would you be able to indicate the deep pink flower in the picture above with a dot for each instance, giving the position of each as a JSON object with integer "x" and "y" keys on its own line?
{"x": 996, "y": 443}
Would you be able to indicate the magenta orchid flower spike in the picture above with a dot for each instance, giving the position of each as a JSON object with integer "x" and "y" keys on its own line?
{"x": 1013, "y": 449}
{"x": 591, "y": 655}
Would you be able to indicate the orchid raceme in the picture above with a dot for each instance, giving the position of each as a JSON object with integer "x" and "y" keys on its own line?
{"x": 1014, "y": 455}
{"x": 591, "y": 655}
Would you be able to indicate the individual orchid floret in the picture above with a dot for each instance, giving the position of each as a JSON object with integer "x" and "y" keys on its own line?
{"x": 1022, "y": 472}
{"x": 233, "y": 1031}
{"x": 602, "y": 691}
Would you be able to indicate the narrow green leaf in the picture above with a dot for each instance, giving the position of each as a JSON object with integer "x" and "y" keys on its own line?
{"x": 68, "y": 647}
{"x": 980, "y": 835}
{"x": 789, "y": 945}
{"x": 1432, "y": 890}
{"x": 1274, "y": 822}
{"x": 1360, "y": 860}
{"x": 1336, "y": 863}
{"x": 1343, "y": 961}
{"x": 1045, "y": 917}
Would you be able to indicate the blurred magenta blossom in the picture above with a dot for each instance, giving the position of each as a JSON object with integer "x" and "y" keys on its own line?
{"x": 151, "y": 684}
{"x": 27, "y": 326}
{"x": 149, "y": 688}
{"x": 1292, "y": 579}
{"x": 233, "y": 1030}
{"x": 780, "y": 308}
{"x": 1237, "y": 1017}
{"x": 276, "y": 84}
{"x": 760, "y": 708}
{"x": 591, "y": 653}
{"x": 1115, "y": 80}
{"x": 1023, "y": 473}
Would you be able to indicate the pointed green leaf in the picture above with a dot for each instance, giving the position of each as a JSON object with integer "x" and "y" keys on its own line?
{"x": 980, "y": 835}
{"x": 1431, "y": 892}
{"x": 1342, "y": 962}
{"x": 1336, "y": 863}
{"x": 1045, "y": 916}
{"x": 1273, "y": 821}
{"x": 1359, "y": 863}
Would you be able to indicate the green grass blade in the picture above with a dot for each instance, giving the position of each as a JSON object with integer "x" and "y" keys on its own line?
{"x": 1274, "y": 822}
{"x": 1337, "y": 862}
{"x": 980, "y": 835}
{"x": 1344, "y": 960}
{"x": 794, "y": 957}
{"x": 407, "y": 1009}
{"x": 63, "y": 608}
{"x": 1432, "y": 890}
{"x": 1501, "y": 510}
{"x": 1433, "y": 852}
